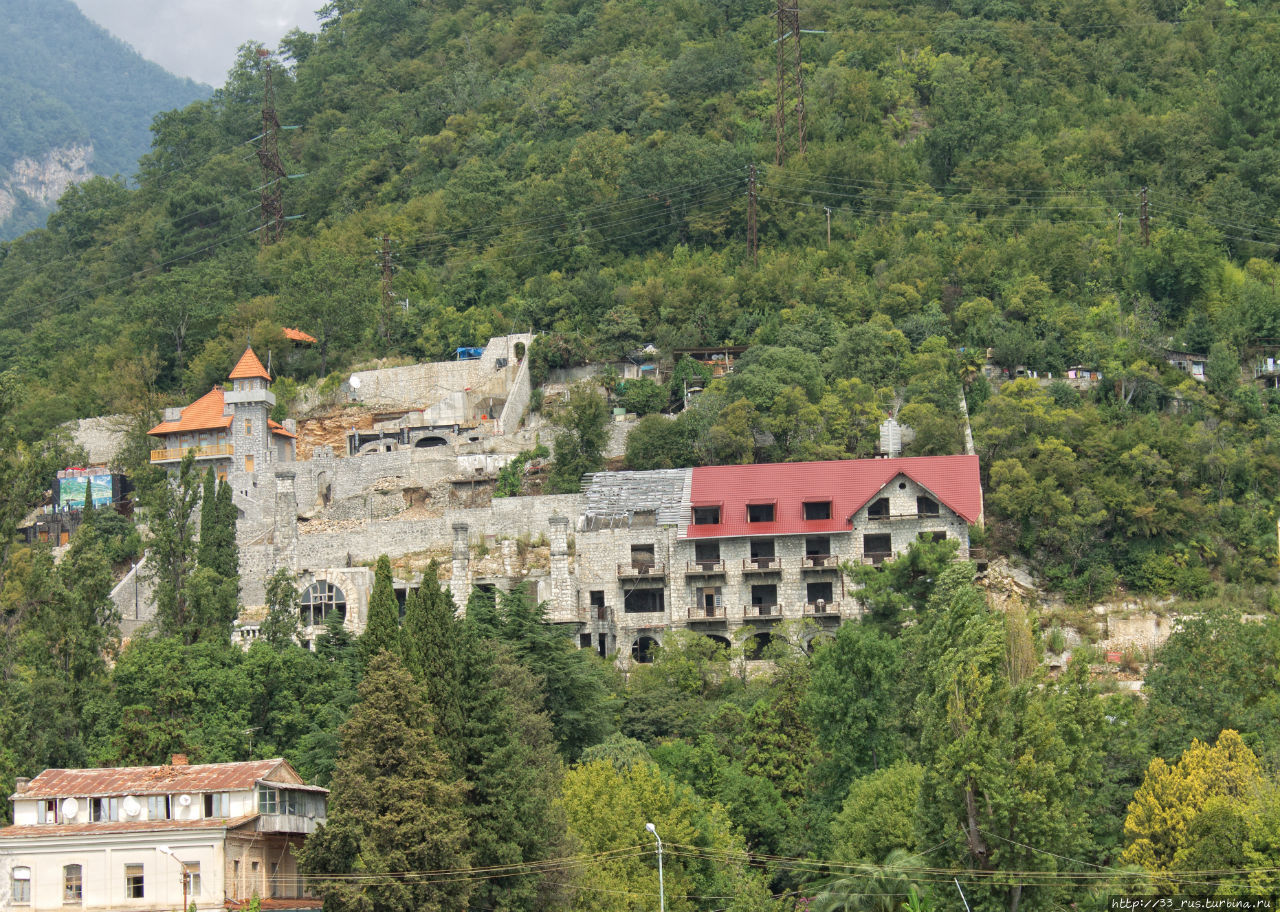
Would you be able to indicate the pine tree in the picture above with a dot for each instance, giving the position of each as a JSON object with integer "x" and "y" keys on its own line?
{"x": 394, "y": 805}
{"x": 228, "y": 552}
{"x": 383, "y": 629}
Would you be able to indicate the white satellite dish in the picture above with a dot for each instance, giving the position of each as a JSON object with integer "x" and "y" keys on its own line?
{"x": 184, "y": 800}
{"x": 70, "y": 807}
{"x": 131, "y": 806}
{"x": 355, "y": 383}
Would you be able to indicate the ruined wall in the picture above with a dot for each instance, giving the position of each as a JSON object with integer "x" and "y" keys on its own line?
{"x": 517, "y": 400}
{"x": 102, "y": 438}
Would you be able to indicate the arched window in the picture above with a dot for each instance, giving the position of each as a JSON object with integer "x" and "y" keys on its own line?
{"x": 319, "y": 600}
{"x": 642, "y": 649}
{"x": 20, "y": 889}
{"x": 72, "y": 884}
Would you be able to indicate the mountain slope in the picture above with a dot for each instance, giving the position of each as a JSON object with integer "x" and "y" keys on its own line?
{"x": 74, "y": 101}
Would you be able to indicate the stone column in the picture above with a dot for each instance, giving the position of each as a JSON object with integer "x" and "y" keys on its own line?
{"x": 460, "y": 580}
{"x": 285, "y": 531}
{"x": 561, "y": 602}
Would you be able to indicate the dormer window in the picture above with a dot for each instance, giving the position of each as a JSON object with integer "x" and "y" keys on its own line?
{"x": 706, "y": 516}
{"x": 760, "y": 513}
{"x": 817, "y": 509}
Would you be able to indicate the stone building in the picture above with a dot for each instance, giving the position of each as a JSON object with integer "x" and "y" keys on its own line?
{"x": 229, "y": 429}
{"x": 139, "y": 838}
{"x": 714, "y": 549}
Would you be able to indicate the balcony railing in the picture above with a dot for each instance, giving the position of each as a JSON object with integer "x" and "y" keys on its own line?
{"x": 885, "y": 517}
{"x": 706, "y": 613}
{"x": 635, "y": 570}
{"x": 820, "y": 562}
{"x": 202, "y": 452}
{"x": 706, "y": 566}
{"x": 761, "y": 564}
{"x": 773, "y": 612}
{"x": 876, "y": 558}
{"x": 826, "y": 609}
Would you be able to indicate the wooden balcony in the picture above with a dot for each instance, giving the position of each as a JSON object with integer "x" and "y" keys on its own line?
{"x": 704, "y": 567}
{"x": 761, "y": 564}
{"x": 705, "y": 614}
{"x": 762, "y": 612}
{"x": 825, "y": 610}
{"x": 636, "y": 570}
{"x": 820, "y": 562}
{"x": 212, "y": 451}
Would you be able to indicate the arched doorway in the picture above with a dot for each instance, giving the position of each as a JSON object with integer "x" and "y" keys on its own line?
{"x": 642, "y": 650}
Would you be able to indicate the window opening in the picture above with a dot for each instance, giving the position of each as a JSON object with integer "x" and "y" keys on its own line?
{"x": 644, "y": 600}
{"x": 926, "y": 506}
{"x": 879, "y": 509}
{"x": 584, "y": 640}
{"x": 319, "y": 600}
{"x": 72, "y": 883}
{"x": 158, "y": 807}
{"x": 877, "y": 547}
{"x": 192, "y": 869}
{"x": 817, "y": 509}
{"x": 217, "y": 804}
{"x": 764, "y": 598}
{"x": 642, "y": 557}
{"x": 762, "y": 553}
{"x": 706, "y": 553}
{"x": 706, "y": 516}
{"x": 133, "y": 887}
{"x": 20, "y": 888}
{"x": 817, "y": 546}
{"x": 816, "y": 593}
{"x": 760, "y": 512}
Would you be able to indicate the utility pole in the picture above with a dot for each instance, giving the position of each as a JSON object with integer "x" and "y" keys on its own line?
{"x": 388, "y": 297}
{"x": 272, "y": 215}
{"x": 779, "y": 113}
{"x": 1144, "y": 220}
{"x": 1119, "y": 219}
{"x": 827, "y": 209}
{"x": 751, "y": 217}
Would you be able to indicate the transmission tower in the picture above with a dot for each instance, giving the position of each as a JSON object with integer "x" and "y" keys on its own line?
{"x": 790, "y": 79}
{"x": 273, "y": 175}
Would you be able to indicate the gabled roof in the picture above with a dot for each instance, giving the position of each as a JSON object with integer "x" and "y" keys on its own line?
{"x": 849, "y": 484}
{"x": 297, "y": 335}
{"x": 277, "y": 428}
{"x": 205, "y": 414}
{"x": 156, "y": 780}
{"x": 249, "y": 366}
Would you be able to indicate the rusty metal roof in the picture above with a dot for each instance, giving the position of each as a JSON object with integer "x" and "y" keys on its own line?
{"x": 154, "y": 780}
{"x": 122, "y": 826}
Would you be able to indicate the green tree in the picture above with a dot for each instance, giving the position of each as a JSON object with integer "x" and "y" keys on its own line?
{"x": 382, "y": 630}
{"x": 169, "y": 505}
{"x": 878, "y": 816}
{"x": 394, "y": 805}
{"x": 280, "y": 626}
{"x": 579, "y": 447}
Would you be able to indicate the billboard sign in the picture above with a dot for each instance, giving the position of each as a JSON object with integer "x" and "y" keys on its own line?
{"x": 71, "y": 491}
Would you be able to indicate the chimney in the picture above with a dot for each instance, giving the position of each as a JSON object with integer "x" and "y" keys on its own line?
{"x": 178, "y": 760}
{"x": 20, "y": 784}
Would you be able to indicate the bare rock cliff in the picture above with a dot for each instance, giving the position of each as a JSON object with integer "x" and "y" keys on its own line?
{"x": 46, "y": 178}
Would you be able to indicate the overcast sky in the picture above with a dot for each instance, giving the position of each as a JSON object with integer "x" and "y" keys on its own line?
{"x": 198, "y": 38}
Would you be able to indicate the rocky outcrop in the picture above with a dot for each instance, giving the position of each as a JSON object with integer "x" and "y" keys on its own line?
{"x": 46, "y": 178}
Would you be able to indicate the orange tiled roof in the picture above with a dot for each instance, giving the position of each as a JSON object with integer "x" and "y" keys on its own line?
{"x": 205, "y": 414}
{"x": 297, "y": 335}
{"x": 249, "y": 366}
{"x": 277, "y": 428}
{"x": 19, "y": 831}
{"x": 154, "y": 780}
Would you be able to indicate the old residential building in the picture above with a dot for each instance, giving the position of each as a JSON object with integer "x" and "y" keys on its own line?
{"x": 228, "y": 429}
{"x": 131, "y": 838}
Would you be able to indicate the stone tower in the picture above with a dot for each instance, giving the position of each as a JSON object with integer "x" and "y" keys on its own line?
{"x": 250, "y": 403}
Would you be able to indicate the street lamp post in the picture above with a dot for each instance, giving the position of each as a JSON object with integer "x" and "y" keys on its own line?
{"x": 662, "y": 893}
{"x": 166, "y": 850}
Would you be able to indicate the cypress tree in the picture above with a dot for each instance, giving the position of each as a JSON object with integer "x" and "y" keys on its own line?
{"x": 383, "y": 629}
{"x": 228, "y": 552}
{"x": 394, "y": 805}
{"x": 206, "y": 556}
{"x": 434, "y": 649}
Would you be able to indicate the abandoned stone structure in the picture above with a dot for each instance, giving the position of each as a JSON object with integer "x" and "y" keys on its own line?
{"x": 637, "y": 554}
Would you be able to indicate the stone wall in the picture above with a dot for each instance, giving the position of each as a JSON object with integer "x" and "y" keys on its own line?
{"x": 517, "y": 400}
{"x": 102, "y": 438}
{"x": 426, "y": 385}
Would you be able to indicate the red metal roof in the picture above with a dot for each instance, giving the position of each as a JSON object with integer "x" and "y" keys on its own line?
{"x": 153, "y": 780}
{"x": 848, "y": 484}
{"x": 249, "y": 366}
{"x": 205, "y": 414}
{"x": 122, "y": 826}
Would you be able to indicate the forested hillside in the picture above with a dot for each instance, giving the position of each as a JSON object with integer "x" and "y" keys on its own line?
{"x": 584, "y": 169}
{"x": 63, "y": 81}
